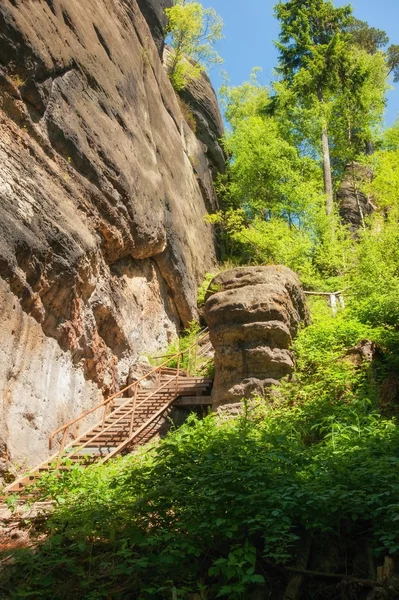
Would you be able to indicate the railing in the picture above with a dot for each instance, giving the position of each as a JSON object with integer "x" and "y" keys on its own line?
{"x": 333, "y": 299}
{"x": 109, "y": 402}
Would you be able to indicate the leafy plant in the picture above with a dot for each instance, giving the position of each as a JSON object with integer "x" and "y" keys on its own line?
{"x": 193, "y": 31}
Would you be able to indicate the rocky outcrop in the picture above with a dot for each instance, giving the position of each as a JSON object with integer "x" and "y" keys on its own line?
{"x": 154, "y": 13}
{"x": 354, "y": 205}
{"x": 200, "y": 96}
{"x": 253, "y": 314}
{"x": 102, "y": 231}
{"x": 200, "y": 109}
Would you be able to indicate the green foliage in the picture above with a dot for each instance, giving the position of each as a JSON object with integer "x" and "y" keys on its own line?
{"x": 356, "y": 113}
{"x": 193, "y": 31}
{"x": 180, "y": 345}
{"x": 246, "y": 100}
{"x": 311, "y": 32}
{"x": 203, "y": 288}
{"x": 273, "y": 196}
{"x": 368, "y": 38}
{"x": 391, "y": 137}
{"x": 374, "y": 275}
{"x": 330, "y": 88}
{"x": 372, "y": 40}
{"x": 216, "y": 503}
{"x": 393, "y": 61}
{"x": 384, "y": 189}
{"x": 267, "y": 172}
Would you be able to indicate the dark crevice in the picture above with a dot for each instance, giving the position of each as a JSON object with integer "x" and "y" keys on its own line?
{"x": 51, "y": 5}
{"x": 122, "y": 124}
{"x": 103, "y": 42}
{"x": 67, "y": 20}
{"x": 57, "y": 73}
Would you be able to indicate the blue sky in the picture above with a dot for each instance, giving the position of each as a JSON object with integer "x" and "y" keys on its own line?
{"x": 250, "y": 29}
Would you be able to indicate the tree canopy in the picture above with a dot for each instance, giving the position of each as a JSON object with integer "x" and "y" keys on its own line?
{"x": 193, "y": 31}
{"x": 328, "y": 78}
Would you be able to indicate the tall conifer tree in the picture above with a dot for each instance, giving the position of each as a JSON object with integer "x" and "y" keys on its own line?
{"x": 312, "y": 46}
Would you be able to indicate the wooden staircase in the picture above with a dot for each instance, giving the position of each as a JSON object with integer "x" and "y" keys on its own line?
{"x": 131, "y": 417}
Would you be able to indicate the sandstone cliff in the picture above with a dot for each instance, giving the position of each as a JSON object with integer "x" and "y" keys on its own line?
{"x": 102, "y": 235}
{"x": 253, "y": 314}
{"x": 354, "y": 205}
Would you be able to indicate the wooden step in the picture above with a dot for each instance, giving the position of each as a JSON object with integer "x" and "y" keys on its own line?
{"x": 113, "y": 435}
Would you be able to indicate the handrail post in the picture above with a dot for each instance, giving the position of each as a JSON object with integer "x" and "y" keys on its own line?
{"x": 196, "y": 356}
{"x": 188, "y": 361}
{"x": 106, "y": 407}
{"x": 178, "y": 373}
{"x": 133, "y": 410}
{"x": 158, "y": 382}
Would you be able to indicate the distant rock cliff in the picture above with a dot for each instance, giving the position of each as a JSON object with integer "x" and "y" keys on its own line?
{"x": 354, "y": 205}
{"x": 253, "y": 315}
{"x": 103, "y": 189}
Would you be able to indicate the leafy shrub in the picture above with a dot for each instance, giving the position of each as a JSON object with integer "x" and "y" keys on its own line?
{"x": 188, "y": 338}
{"x": 212, "y": 507}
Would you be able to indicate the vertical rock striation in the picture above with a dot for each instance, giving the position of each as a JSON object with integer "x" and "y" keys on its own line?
{"x": 102, "y": 233}
{"x": 253, "y": 314}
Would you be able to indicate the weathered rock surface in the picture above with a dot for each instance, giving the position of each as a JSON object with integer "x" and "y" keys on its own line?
{"x": 102, "y": 231}
{"x": 253, "y": 316}
{"x": 354, "y": 205}
{"x": 154, "y": 13}
{"x": 200, "y": 96}
{"x": 200, "y": 109}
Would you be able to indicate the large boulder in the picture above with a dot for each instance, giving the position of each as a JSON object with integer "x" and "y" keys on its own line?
{"x": 354, "y": 204}
{"x": 253, "y": 313}
{"x": 103, "y": 239}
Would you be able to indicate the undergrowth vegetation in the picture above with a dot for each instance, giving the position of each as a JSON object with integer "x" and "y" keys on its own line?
{"x": 188, "y": 345}
{"x": 218, "y": 507}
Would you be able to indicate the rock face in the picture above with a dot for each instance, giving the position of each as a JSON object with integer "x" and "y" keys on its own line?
{"x": 253, "y": 314}
{"x": 102, "y": 231}
{"x": 154, "y": 13}
{"x": 200, "y": 109}
{"x": 200, "y": 96}
{"x": 354, "y": 205}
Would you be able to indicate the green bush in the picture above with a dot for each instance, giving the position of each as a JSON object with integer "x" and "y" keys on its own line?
{"x": 213, "y": 506}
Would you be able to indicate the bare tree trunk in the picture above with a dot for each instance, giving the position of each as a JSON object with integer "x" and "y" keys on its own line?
{"x": 328, "y": 186}
{"x": 359, "y": 207}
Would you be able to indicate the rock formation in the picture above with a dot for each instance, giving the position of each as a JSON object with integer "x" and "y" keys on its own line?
{"x": 200, "y": 108}
{"x": 200, "y": 96}
{"x": 102, "y": 231}
{"x": 154, "y": 13}
{"x": 253, "y": 314}
{"x": 355, "y": 205}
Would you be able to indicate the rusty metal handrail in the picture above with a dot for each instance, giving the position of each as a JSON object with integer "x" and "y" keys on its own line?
{"x": 111, "y": 425}
{"x": 106, "y": 402}
{"x": 172, "y": 387}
